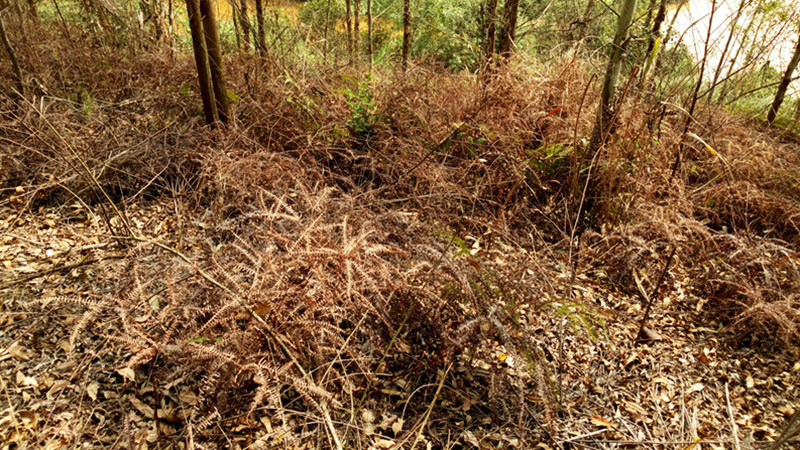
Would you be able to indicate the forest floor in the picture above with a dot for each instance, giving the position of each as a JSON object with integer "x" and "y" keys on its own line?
{"x": 687, "y": 387}
{"x": 390, "y": 261}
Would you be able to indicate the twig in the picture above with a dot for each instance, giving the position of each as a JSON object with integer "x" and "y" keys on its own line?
{"x": 654, "y": 294}
{"x": 86, "y": 169}
{"x": 372, "y": 379}
{"x": 789, "y": 431}
{"x": 584, "y": 436}
{"x": 430, "y": 407}
{"x": 33, "y": 276}
{"x": 734, "y": 428}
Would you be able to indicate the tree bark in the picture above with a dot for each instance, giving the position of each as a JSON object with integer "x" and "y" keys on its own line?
{"x": 369, "y": 32}
{"x": 655, "y": 32}
{"x": 235, "y": 19}
{"x": 585, "y": 19}
{"x": 325, "y": 36}
{"x": 509, "y": 31}
{"x": 348, "y": 25}
{"x": 606, "y": 109}
{"x": 787, "y": 78}
{"x": 33, "y": 10}
{"x": 261, "y": 42}
{"x": 215, "y": 59}
{"x": 13, "y": 56}
{"x": 491, "y": 30}
{"x": 155, "y": 15}
{"x": 244, "y": 22}
{"x": 201, "y": 60}
{"x": 356, "y": 30}
{"x": 406, "y": 31}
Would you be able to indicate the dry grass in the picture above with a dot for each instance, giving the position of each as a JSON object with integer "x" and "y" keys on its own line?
{"x": 346, "y": 232}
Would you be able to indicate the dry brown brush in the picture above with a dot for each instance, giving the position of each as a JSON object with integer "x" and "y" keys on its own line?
{"x": 325, "y": 258}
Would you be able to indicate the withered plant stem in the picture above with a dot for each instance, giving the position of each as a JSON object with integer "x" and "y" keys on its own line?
{"x": 654, "y": 294}
{"x": 430, "y": 407}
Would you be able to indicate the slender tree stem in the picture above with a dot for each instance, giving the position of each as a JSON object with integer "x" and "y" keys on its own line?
{"x": 13, "y": 56}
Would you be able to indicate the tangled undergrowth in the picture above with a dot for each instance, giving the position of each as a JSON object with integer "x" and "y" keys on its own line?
{"x": 325, "y": 243}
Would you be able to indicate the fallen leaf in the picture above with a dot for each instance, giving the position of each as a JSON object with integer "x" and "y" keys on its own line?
{"x": 28, "y": 419}
{"x": 127, "y": 373}
{"x": 265, "y": 420}
{"x": 188, "y": 397}
{"x": 18, "y": 352}
{"x": 469, "y": 436}
{"x": 56, "y": 388}
{"x": 603, "y": 422}
{"x": 691, "y": 446}
{"x": 786, "y": 410}
{"x": 23, "y": 380}
{"x": 142, "y": 407}
{"x": 397, "y": 426}
{"x": 697, "y": 387}
{"x": 367, "y": 416}
{"x": 384, "y": 443}
{"x": 91, "y": 390}
{"x": 649, "y": 335}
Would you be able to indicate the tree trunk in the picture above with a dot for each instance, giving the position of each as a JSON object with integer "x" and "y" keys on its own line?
{"x": 13, "y": 56}
{"x": 356, "y": 30}
{"x": 509, "y": 31}
{"x": 261, "y": 42}
{"x": 406, "y": 31}
{"x": 491, "y": 30}
{"x": 33, "y": 11}
{"x": 170, "y": 24}
{"x": 369, "y": 32}
{"x": 244, "y": 22}
{"x": 585, "y": 19}
{"x": 155, "y": 14}
{"x": 655, "y": 32}
{"x": 235, "y": 19}
{"x": 325, "y": 34}
{"x": 348, "y": 25}
{"x": 797, "y": 111}
{"x": 215, "y": 59}
{"x": 201, "y": 59}
{"x": 787, "y": 78}
{"x": 606, "y": 109}
{"x": 650, "y": 8}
